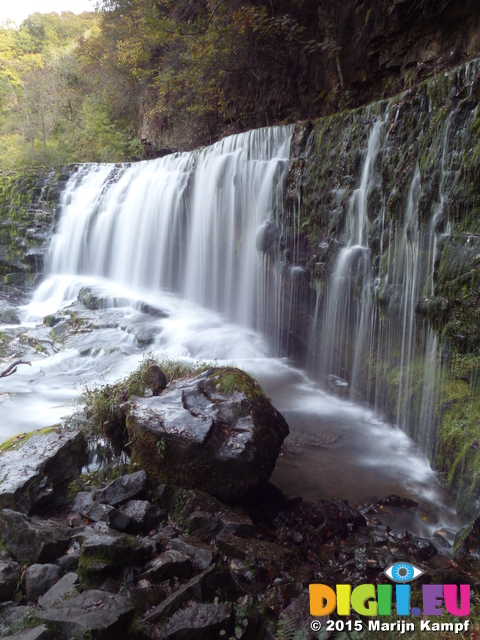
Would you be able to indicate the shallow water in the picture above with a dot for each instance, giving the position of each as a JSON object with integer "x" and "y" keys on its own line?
{"x": 336, "y": 449}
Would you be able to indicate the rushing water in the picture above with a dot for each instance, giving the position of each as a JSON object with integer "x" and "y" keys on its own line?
{"x": 179, "y": 234}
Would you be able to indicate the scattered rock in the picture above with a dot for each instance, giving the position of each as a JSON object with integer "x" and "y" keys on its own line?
{"x": 39, "y": 578}
{"x": 32, "y": 541}
{"x": 199, "y": 621}
{"x": 142, "y": 516}
{"x": 9, "y": 579}
{"x": 200, "y": 554}
{"x": 105, "y": 551}
{"x": 214, "y": 582}
{"x": 168, "y": 565}
{"x": 103, "y": 615}
{"x": 122, "y": 489}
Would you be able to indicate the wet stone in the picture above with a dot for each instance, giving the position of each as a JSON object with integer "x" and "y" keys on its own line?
{"x": 221, "y": 441}
{"x": 123, "y": 489}
{"x": 397, "y": 501}
{"x": 70, "y": 560}
{"x": 105, "y": 550}
{"x": 260, "y": 553}
{"x": 36, "y": 471}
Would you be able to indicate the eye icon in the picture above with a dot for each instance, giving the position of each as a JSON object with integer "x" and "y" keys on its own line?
{"x": 403, "y": 572}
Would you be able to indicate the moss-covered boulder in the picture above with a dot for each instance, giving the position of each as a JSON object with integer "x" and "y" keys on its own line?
{"x": 216, "y": 432}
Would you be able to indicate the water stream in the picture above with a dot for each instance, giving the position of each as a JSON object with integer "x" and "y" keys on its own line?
{"x": 179, "y": 234}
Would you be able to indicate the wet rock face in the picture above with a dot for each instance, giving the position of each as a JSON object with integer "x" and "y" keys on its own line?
{"x": 36, "y": 469}
{"x": 216, "y": 432}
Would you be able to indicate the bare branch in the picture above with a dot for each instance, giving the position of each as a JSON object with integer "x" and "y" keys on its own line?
{"x": 12, "y": 368}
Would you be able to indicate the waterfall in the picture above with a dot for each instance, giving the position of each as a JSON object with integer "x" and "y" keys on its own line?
{"x": 185, "y": 223}
{"x": 207, "y": 238}
{"x": 366, "y": 327}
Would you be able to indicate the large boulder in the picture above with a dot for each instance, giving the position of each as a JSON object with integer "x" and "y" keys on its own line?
{"x": 35, "y": 468}
{"x": 216, "y": 432}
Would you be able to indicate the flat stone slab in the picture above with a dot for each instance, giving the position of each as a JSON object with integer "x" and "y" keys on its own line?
{"x": 36, "y": 633}
{"x": 102, "y": 614}
{"x": 61, "y": 590}
{"x": 36, "y": 469}
{"x": 202, "y": 621}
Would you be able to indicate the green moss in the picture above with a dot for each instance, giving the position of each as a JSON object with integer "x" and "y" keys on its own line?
{"x": 100, "y": 402}
{"x": 230, "y": 380}
{"x": 17, "y": 441}
{"x": 458, "y": 448}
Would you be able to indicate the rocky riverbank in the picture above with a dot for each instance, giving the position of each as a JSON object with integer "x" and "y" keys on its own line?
{"x": 121, "y": 553}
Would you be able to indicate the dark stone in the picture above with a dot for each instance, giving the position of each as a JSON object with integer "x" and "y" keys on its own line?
{"x": 9, "y": 317}
{"x": 9, "y": 578}
{"x": 84, "y": 502}
{"x": 153, "y": 311}
{"x": 31, "y": 540}
{"x": 51, "y": 321}
{"x": 199, "y": 622}
{"x": 105, "y": 551}
{"x": 86, "y": 506}
{"x": 259, "y": 553}
{"x": 145, "y": 595}
{"x": 268, "y": 238}
{"x": 40, "y": 632}
{"x": 39, "y": 578}
{"x": 122, "y": 489}
{"x": 37, "y": 470}
{"x": 467, "y": 541}
{"x": 64, "y": 588}
{"x": 70, "y": 560}
{"x": 214, "y": 582}
{"x": 155, "y": 379}
{"x": 142, "y": 516}
{"x": 171, "y": 564}
{"x": 398, "y": 502}
{"x": 200, "y": 554}
{"x": 103, "y": 615}
{"x": 216, "y": 432}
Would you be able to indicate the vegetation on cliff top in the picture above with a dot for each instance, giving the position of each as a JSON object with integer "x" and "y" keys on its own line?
{"x": 94, "y": 87}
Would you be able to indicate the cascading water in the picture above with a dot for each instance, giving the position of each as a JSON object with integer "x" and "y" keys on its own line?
{"x": 178, "y": 223}
{"x": 181, "y": 234}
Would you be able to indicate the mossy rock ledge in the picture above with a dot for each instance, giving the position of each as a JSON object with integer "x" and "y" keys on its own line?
{"x": 216, "y": 432}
